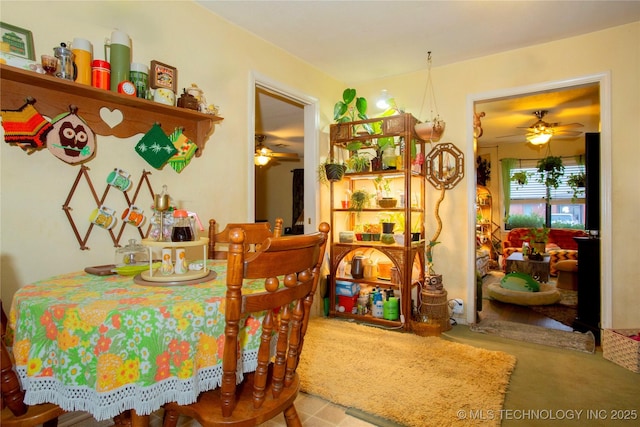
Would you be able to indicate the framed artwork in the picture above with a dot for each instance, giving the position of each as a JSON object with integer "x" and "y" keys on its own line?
{"x": 163, "y": 76}
{"x": 20, "y": 41}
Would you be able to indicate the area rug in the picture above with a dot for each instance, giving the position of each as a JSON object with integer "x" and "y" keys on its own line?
{"x": 408, "y": 379}
{"x": 578, "y": 341}
{"x": 565, "y": 311}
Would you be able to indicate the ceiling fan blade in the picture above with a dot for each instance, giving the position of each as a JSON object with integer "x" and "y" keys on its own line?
{"x": 292, "y": 156}
{"x": 568, "y": 125}
{"x": 510, "y": 136}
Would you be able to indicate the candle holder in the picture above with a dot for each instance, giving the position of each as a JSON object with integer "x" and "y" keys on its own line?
{"x": 161, "y": 204}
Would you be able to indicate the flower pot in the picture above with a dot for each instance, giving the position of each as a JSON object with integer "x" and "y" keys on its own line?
{"x": 387, "y": 238}
{"x": 387, "y": 202}
{"x": 334, "y": 171}
{"x": 415, "y": 237}
{"x": 387, "y": 227}
{"x": 366, "y": 237}
{"x": 376, "y": 164}
{"x": 430, "y": 130}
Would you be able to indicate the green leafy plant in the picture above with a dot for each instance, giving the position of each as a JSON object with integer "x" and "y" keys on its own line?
{"x": 331, "y": 170}
{"x": 525, "y": 221}
{"x": 351, "y": 108}
{"x": 358, "y": 162}
{"x": 577, "y": 183}
{"x": 539, "y": 235}
{"x": 483, "y": 171}
{"x": 550, "y": 170}
{"x": 360, "y": 200}
{"x": 521, "y": 178}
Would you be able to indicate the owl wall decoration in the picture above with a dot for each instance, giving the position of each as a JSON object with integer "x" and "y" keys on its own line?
{"x": 71, "y": 139}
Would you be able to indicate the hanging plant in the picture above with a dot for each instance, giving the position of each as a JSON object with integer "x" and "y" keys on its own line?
{"x": 432, "y": 128}
{"x": 360, "y": 200}
{"x": 483, "y": 171}
{"x": 550, "y": 171}
{"x": 521, "y": 178}
{"x": 577, "y": 183}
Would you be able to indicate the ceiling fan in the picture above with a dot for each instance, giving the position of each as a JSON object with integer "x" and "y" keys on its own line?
{"x": 264, "y": 154}
{"x": 540, "y": 132}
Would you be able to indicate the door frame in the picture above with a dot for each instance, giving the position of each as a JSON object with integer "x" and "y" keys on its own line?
{"x": 311, "y": 138}
{"x": 604, "y": 81}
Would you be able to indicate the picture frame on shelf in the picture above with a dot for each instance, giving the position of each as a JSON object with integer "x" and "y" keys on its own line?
{"x": 163, "y": 76}
{"x": 20, "y": 41}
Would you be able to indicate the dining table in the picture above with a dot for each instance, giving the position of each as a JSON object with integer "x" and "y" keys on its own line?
{"x": 107, "y": 345}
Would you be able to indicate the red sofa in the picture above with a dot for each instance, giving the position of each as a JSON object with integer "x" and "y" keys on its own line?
{"x": 560, "y": 246}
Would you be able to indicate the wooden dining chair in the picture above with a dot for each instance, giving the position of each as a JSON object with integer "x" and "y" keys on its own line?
{"x": 290, "y": 268}
{"x": 255, "y": 234}
{"x": 15, "y": 413}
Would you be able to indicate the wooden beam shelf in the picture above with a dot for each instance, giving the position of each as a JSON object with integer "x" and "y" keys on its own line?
{"x": 106, "y": 112}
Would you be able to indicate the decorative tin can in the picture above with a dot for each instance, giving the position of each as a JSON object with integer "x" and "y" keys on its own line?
{"x": 101, "y": 74}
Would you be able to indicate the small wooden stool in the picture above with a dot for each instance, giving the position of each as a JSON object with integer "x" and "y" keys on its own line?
{"x": 567, "y": 274}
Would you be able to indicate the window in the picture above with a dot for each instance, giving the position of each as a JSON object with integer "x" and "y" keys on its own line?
{"x": 528, "y": 201}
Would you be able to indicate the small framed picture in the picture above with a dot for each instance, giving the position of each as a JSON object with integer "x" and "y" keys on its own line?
{"x": 163, "y": 76}
{"x": 20, "y": 41}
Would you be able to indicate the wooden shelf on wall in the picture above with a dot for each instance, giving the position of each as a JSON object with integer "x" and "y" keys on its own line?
{"x": 54, "y": 95}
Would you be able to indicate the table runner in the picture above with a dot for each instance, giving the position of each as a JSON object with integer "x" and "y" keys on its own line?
{"x": 103, "y": 344}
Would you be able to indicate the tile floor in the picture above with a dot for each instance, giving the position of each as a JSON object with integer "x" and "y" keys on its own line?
{"x": 313, "y": 411}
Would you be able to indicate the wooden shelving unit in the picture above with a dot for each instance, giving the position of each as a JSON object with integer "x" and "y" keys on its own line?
{"x": 409, "y": 181}
{"x": 54, "y": 96}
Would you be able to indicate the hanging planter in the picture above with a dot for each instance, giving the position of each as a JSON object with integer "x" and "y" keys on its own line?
{"x": 334, "y": 171}
{"x": 432, "y": 128}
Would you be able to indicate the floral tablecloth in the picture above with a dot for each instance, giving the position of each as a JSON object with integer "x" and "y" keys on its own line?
{"x": 104, "y": 344}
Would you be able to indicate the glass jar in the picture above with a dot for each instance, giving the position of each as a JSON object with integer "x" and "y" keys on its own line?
{"x": 181, "y": 231}
{"x": 389, "y": 158}
{"x": 132, "y": 254}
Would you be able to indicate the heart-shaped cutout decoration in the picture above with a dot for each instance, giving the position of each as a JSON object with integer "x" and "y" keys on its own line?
{"x": 111, "y": 117}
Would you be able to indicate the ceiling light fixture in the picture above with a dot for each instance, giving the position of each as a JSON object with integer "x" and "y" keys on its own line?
{"x": 383, "y": 101}
{"x": 260, "y": 159}
{"x": 540, "y": 138}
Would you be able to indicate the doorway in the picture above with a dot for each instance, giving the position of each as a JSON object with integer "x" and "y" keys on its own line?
{"x": 308, "y": 151}
{"x": 603, "y": 82}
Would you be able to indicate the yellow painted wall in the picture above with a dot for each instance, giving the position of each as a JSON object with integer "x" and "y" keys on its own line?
{"x": 37, "y": 241}
{"x": 36, "y": 238}
{"x": 615, "y": 50}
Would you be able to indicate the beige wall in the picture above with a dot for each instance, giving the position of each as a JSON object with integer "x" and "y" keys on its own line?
{"x": 37, "y": 241}
{"x": 36, "y": 238}
{"x": 617, "y": 51}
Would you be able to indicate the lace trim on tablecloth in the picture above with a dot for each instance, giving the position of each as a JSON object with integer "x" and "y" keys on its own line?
{"x": 144, "y": 400}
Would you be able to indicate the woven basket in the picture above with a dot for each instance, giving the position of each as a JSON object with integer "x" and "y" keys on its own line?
{"x": 620, "y": 349}
{"x": 436, "y": 307}
{"x": 425, "y": 329}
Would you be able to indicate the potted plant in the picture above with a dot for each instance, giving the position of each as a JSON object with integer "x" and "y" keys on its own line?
{"x": 359, "y": 200}
{"x": 383, "y": 192}
{"x": 483, "y": 170}
{"x": 358, "y": 162}
{"x": 331, "y": 170}
{"x": 350, "y": 108}
{"x": 577, "y": 183}
{"x": 550, "y": 170}
{"x": 521, "y": 178}
{"x": 538, "y": 239}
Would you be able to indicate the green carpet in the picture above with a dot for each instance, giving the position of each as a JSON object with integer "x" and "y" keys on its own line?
{"x": 551, "y": 382}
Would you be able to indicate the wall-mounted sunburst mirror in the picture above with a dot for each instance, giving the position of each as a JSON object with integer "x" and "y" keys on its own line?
{"x": 445, "y": 166}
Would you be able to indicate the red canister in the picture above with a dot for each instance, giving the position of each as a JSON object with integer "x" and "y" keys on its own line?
{"x": 101, "y": 74}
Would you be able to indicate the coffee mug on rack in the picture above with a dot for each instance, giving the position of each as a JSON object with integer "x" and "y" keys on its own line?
{"x": 103, "y": 217}
{"x": 133, "y": 215}
{"x": 120, "y": 179}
